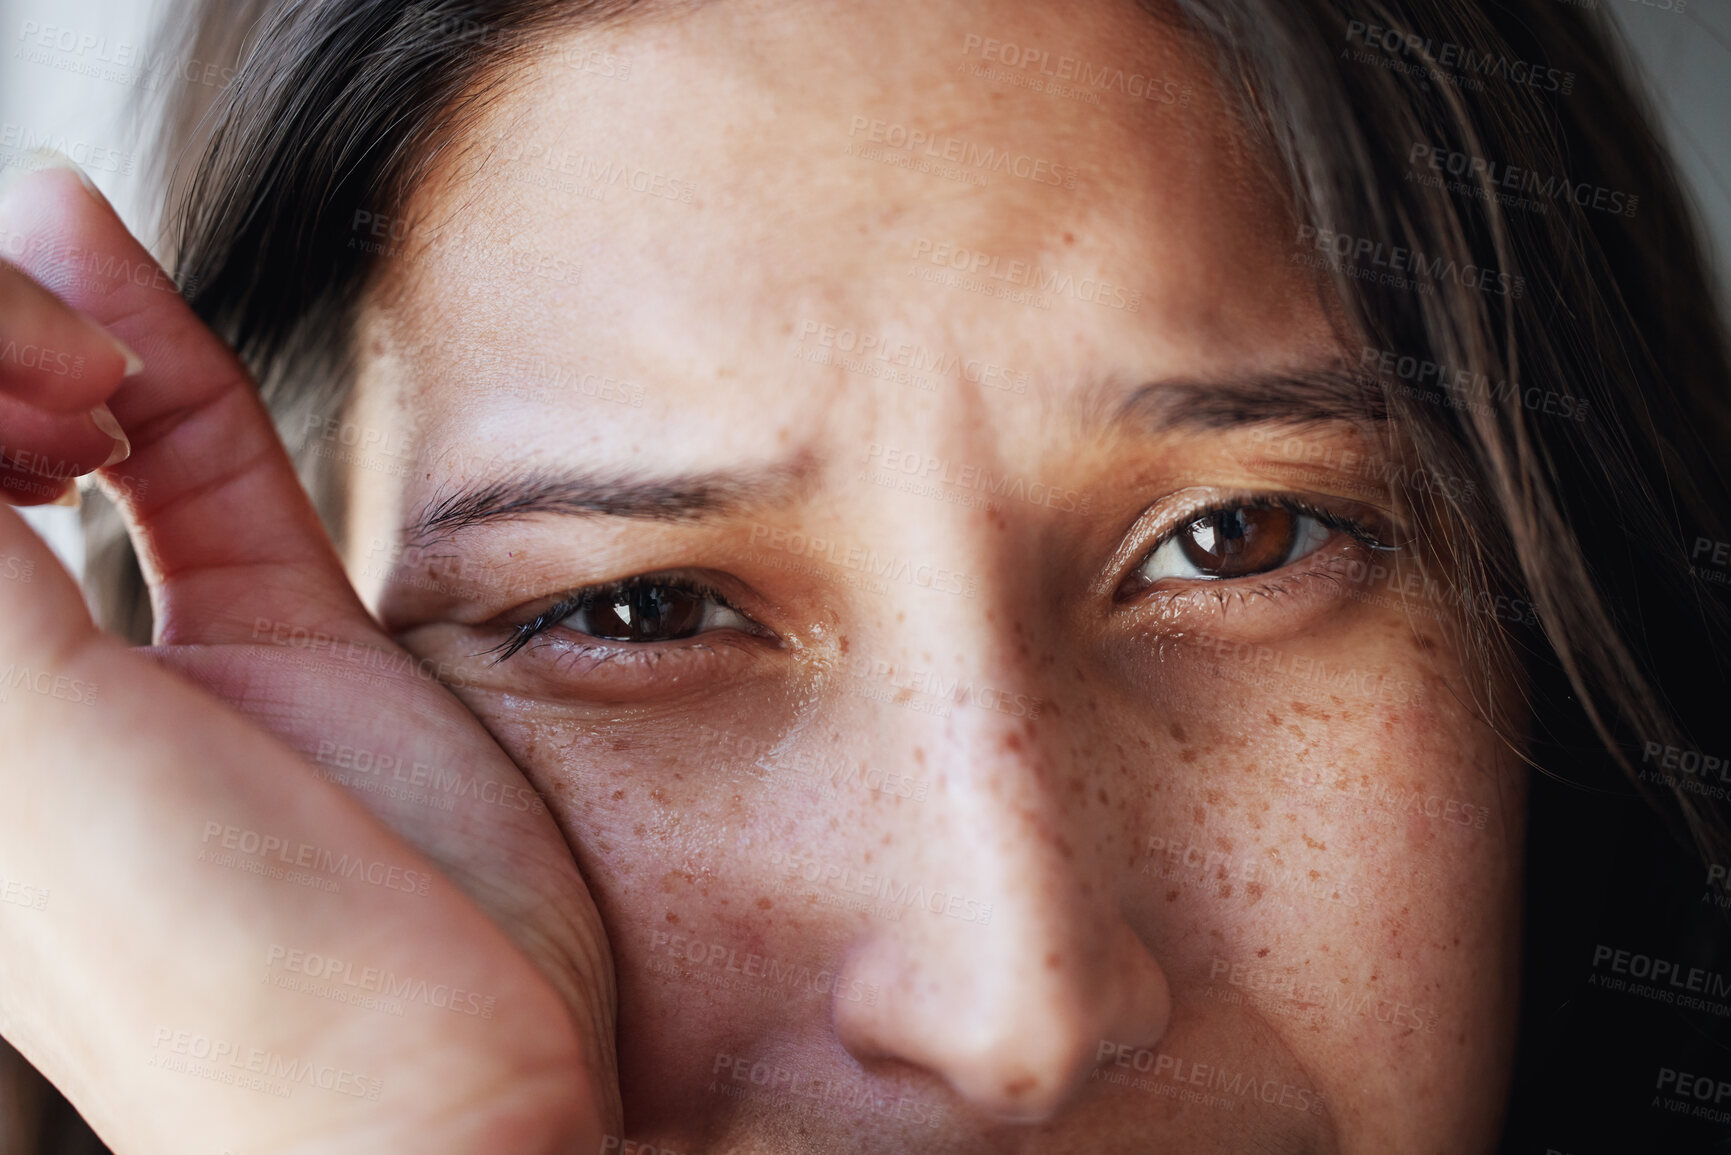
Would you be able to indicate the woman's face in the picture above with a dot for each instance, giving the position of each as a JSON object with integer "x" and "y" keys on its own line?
{"x": 1025, "y": 737}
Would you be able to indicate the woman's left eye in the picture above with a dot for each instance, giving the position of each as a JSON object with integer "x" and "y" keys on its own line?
{"x": 1238, "y": 541}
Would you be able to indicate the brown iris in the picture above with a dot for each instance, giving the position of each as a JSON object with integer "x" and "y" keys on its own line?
{"x": 645, "y": 612}
{"x": 1234, "y": 542}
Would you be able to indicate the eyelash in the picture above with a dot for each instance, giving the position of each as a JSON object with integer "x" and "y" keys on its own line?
{"x": 525, "y": 632}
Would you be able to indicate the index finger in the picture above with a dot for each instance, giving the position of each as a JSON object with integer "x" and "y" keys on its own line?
{"x": 226, "y": 534}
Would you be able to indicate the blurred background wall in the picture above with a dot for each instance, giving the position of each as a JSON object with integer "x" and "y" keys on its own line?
{"x": 80, "y": 94}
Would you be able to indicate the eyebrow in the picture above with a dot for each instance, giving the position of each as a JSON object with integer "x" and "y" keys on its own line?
{"x": 1316, "y": 396}
{"x": 1329, "y": 393}
{"x": 588, "y": 493}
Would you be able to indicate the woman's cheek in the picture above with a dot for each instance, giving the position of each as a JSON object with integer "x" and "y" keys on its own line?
{"x": 663, "y": 815}
{"x": 1323, "y": 861}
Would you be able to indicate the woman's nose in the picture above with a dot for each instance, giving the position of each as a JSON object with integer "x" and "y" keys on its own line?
{"x": 1017, "y": 967}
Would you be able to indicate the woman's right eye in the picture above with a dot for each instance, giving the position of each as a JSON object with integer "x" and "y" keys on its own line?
{"x": 650, "y": 611}
{"x": 639, "y": 611}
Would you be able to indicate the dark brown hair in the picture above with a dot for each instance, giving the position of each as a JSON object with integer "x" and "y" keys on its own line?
{"x": 341, "y": 106}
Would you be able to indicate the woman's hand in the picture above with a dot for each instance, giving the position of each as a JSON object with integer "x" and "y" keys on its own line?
{"x": 173, "y": 864}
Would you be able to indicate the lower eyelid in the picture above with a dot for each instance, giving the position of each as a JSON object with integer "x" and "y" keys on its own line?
{"x": 709, "y": 637}
{"x": 560, "y": 666}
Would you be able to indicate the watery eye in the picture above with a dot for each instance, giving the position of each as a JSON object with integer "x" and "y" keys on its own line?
{"x": 652, "y": 612}
{"x": 1236, "y": 542}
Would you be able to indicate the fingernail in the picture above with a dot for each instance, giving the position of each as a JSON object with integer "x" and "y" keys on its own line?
{"x": 134, "y": 363}
{"x": 104, "y": 420}
{"x": 69, "y": 495}
{"x": 53, "y": 158}
{"x": 27, "y": 165}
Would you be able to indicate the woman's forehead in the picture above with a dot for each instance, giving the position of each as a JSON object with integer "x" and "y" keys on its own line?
{"x": 944, "y": 207}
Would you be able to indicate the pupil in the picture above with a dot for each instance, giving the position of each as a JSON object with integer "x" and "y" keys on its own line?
{"x": 1235, "y": 542}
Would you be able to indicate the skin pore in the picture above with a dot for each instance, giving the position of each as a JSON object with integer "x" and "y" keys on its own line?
{"x": 943, "y": 830}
